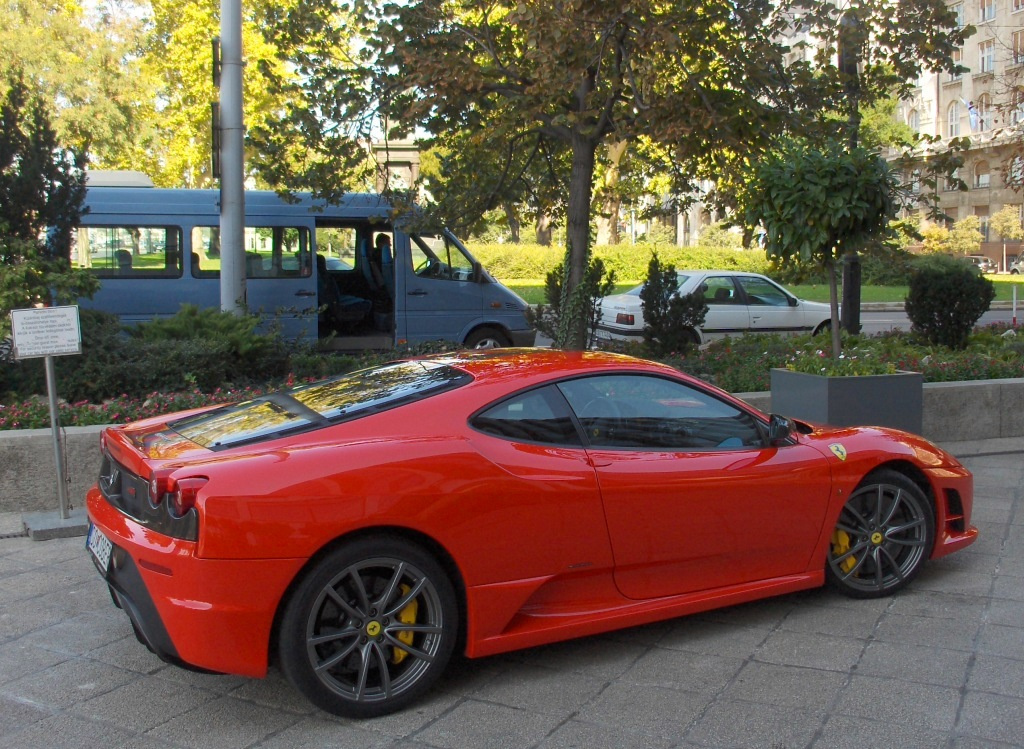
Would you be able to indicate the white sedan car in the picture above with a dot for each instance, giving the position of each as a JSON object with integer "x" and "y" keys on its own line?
{"x": 737, "y": 303}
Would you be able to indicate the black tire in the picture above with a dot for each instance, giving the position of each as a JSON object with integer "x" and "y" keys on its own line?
{"x": 882, "y": 538}
{"x": 486, "y": 338}
{"x": 825, "y": 327}
{"x": 369, "y": 628}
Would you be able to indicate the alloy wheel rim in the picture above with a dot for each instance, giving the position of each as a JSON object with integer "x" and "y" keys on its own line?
{"x": 374, "y": 630}
{"x": 885, "y": 535}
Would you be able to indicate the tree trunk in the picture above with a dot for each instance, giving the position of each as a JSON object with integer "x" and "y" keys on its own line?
{"x": 543, "y": 230}
{"x": 573, "y": 322}
{"x": 833, "y": 293}
{"x": 512, "y": 217}
{"x": 611, "y": 201}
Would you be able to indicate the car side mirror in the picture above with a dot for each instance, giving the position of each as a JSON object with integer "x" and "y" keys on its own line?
{"x": 779, "y": 429}
{"x": 478, "y": 272}
{"x": 793, "y": 301}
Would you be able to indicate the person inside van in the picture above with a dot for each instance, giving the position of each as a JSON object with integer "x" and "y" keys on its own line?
{"x": 382, "y": 265}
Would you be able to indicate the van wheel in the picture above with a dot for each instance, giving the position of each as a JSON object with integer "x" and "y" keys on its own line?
{"x": 484, "y": 338}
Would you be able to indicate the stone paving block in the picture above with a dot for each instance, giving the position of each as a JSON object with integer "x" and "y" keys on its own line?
{"x": 998, "y": 675}
{"x": 18, "y": 659}
{"x": 542, "y": 690}
{"x": 786, "y": 686}
{"x": 899, "y": 702}
{"x": 927, "y": 603}
{"x": 79, "y": 634}
{"x": 66, "y": 730}
{"x": 919, "y": 663}
{"x": 16, "y": 716}
{"x": 314, "y": 732}
{"x": 830, "y": 620}
{"x": 713, "y": 638}
{"x": 742, "y": 724}
{"x": 576, "y": 734}
{"x": 224, "y": 723}
{"x": 926, "y": 630}
{"x": 845, "y": 732}
{"x": 1008, "y": 612}
{"x": 655, "y": 711}
{"x": 128, "y": 653}
{"x": 999, "y": 639}
{"x": 811, "y": 651}
{"x": 472, "y": 724}
{"x": 992, "y": 717}
{"x": 69, "y": 683}
{"x": 142, "y": 704}
{"x": 600, "y": 656}
{"x": 682, "y": 670}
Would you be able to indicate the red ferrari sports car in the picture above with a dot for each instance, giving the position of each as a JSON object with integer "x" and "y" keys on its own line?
{"x": 361, "y": 528}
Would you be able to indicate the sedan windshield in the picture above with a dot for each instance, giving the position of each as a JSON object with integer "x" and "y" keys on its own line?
{"x": 319, "y": 404}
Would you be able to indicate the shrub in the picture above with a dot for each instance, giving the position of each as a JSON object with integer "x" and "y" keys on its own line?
{"x": 945, "y": 300}
{"x": 669, "y": 319}
{"x": 597, "y": 284}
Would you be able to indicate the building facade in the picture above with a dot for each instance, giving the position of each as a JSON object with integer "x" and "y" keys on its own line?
{"x": 986, "y": 105}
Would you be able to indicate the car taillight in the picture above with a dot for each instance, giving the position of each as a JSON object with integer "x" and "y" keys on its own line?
{"x": 623, "y": 319}
{"x": 180, "y": 494}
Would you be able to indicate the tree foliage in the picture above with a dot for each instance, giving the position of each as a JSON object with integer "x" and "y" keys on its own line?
{"x": 815, "y": 204}
{"x": 42, "y": 189}
{"x": 670, "y": 320}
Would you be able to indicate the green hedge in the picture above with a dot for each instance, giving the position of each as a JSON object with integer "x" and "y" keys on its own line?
{"x": 523, "y": 262}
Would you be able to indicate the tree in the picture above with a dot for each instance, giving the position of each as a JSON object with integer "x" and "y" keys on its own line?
{"x": 1007, "y": 224}
{"x": 815, "y": 204}
{"x": 42, "y": 188}
{"x": 568, "y": 77}
{"x": 965, "y": 237}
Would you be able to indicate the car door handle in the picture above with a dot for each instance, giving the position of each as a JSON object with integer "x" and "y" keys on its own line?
{"x": 305, "y": 292}
{"x": 417, "y": 292}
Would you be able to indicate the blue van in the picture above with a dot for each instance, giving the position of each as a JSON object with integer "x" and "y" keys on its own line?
{"x": 345, "y": 273}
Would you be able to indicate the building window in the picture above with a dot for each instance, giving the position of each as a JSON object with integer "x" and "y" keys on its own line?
{"x": 982, "y": 175}
{"x": 1017, "y": 56}
{"x": 914, "y": 120}
{"x": 1017, "y": 107}
{"x": 958, "y": 58}
{"x": 1015, "y": 174}
{"x": 982, "y": 213}
{"x": 987, "y": 56}
{"x": 953, "y": 126}
{"x": 1018, "y": 5}
{"x": 953, "y": 181}
{"x": 958, "y": 11}
{"x": 987, "y": 10}
{"x": 984, "y": 114}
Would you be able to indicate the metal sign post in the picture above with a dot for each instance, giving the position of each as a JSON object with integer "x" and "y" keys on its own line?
{"x": 46, "y": 332}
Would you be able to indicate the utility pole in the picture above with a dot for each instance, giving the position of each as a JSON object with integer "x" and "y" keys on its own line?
{"x": 229, "y": 134}
{"x": 850, "y": 40}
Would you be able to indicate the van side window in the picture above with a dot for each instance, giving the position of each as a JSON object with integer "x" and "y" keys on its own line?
{"x": 128, "y": 251}
{"x": 270, "y": 252}
{"x": 439, "y": 257}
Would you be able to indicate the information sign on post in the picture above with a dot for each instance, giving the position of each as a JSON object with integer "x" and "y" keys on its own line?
{"x": 48, "y": 332}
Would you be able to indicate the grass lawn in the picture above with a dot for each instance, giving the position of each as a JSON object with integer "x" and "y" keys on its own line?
{"x": 533, "y": 290}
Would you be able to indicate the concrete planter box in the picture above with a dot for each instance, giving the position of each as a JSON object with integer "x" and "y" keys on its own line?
{"x": 892, "y": 400}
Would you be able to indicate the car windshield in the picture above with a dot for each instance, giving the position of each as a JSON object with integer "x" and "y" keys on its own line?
{"x": 318, "y": 404}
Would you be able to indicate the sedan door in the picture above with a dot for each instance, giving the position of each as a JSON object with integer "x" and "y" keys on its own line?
{"x": 727, "y": 313}
{"x": 693, "y": 497}
{"x": 772, "y": 310}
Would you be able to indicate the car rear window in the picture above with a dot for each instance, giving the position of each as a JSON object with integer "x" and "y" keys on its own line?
{"x": 304, "y": 407}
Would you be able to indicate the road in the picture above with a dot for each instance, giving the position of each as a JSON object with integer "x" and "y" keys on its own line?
{"x": 879, "y": 321}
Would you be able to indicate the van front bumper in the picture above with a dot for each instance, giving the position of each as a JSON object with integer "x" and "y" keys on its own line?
{"x": 523, "y": 338}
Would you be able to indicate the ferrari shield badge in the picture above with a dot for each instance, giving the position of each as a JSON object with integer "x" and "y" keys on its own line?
{"x": 838, "y": 450}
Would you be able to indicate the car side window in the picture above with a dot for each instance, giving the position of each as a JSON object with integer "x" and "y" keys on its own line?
{"x": 534, "y": 416}
{"x": 656, "y": 413}
{"x": 762, "y": 291}
{"x": 719, "y": 290}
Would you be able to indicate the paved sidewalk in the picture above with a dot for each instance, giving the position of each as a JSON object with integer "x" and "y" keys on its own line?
{"x": 939, "y": 665}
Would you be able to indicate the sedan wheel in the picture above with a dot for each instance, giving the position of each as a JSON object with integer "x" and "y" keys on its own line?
{"x": 370, "y": 628}
{"x": 883, "y": 537}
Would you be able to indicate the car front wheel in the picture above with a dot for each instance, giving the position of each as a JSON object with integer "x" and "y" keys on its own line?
{"x": 370, "y": 628}
{"x": 883, "y": 537}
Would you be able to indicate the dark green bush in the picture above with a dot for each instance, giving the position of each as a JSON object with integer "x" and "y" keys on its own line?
{"x": 946, "y": 298}
{"x": 669, "y": 319}
{"x": 597, "y": 284}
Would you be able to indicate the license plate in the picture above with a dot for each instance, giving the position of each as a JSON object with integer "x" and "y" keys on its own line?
{"x": 100, "y": 547}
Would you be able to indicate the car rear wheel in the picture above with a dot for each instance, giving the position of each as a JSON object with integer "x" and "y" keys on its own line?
{"x": 883, "y": 537}
{"x": 370, "y": 628}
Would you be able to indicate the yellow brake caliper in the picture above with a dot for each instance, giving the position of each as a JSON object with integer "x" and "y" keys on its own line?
{"x": 405, "y": 616}
{"x": 841, "y": 545}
